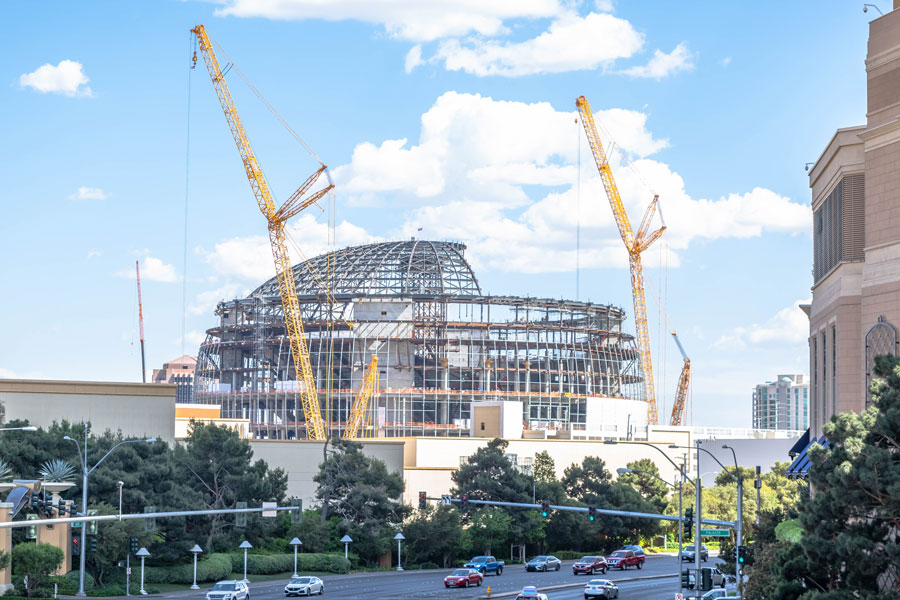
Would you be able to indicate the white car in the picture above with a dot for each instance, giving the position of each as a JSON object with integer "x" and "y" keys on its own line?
{"x": 304, "y": 586}
{"x": 529, "y": 592}
{"x": 231, "y": 589}
{"x": 601, "y": 588}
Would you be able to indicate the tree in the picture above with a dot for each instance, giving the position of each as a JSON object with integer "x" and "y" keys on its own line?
{"x": 788, "y": 492}
{"x": 647, "y": 483}
{"x": 489, "y": 475}
{"x": 849, "y": 525}
{"x": 112, "y": 542}
{"x": 544, "y": 467}
{"x": 432, "y": 535}
{"x": 490, "y": 527}
{"x": 36, "y": 562}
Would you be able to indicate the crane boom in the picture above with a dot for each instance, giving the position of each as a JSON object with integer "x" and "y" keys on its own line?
{"x": 315, "y": 425}
{"x": 137, "y": 266}
{"x": 634, "y": 244}
{"x": 684, "y": 381}
{"x": 367, "y": 388}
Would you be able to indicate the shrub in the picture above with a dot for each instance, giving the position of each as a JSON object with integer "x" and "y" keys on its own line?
{"x": 214, "y": 567}
{"x": 428, "y": 565}
{"x": 270, "y": 564}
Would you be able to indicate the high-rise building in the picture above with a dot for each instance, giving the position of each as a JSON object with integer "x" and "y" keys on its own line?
{"x": 782, "y": 404}
{"x": 855, "y": 185}
{"x": 180, "y": 372}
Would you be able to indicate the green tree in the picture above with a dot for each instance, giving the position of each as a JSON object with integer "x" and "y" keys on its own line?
{"x": 432, "y": 535}
{"x": 788, "y": 492}
{"x": 112, "y": 542}
{"x": 544, "y": 467}
{"x": 490, "y": 527}
{"x": 36, "y": 562}
{"x": 849, "y": 524}
{"x": 647, "y": 483}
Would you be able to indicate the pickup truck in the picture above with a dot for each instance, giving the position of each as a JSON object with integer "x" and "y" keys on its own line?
{"x": 486, "y": 564}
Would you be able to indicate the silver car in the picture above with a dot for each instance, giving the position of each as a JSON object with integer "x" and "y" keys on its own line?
{"x": 231, "y": 589}
{"x": 543, "y": 563}
{"x": 601, "y": 588}
{"x": 304, "y": 586}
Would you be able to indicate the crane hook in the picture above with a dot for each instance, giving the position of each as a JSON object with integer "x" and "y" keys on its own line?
{"x": 194, "y": 60}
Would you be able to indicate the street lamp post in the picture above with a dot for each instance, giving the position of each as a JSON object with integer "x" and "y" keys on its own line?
{"x": 143, "y": 554}
{"x": 28, "y": 428}
{"x": 245, "y": 545}
{"x": 82, "y": 454}
{"x": 346, "y": 540}
{"x": 195, "y": 551}
{"x": 740, "y": 517}
{"x": 399, "y": 537}
{"x": 295, "y": 542}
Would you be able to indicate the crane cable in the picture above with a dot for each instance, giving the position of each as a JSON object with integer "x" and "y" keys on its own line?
{"x": 187, "y": 172}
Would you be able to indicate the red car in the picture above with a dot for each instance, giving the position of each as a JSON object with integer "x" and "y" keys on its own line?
{"x": 622, "y": 559}
{"x": 463, "y": 578}
{"x": 590, "y": 565}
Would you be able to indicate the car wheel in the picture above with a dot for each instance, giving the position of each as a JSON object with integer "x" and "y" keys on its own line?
{"x": 499, "y": 571}
{"x": 557, "y": 567}
{"x": 479, "y": 583}
{"x": 640, "y": 565}
{"x": 604, "y": 570}
{"x": 466, "y": 583}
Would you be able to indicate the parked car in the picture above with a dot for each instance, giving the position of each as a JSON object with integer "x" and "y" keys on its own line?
{"x": 463, "y": 578}
{"x": 601, "y": 588}
{"x": 622, "y": 559}
{"x": 687, "y": 553}
{"x": 543, "y": 563}
{"x": 590, "y": 565}
{"x": 485, "y": 565}
{"x": 529, "y": 592}
{"x": 230, "y": 589}
{"x": 304, "y": 586}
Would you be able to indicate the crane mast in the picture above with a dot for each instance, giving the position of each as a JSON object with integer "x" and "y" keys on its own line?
{"x": 367, "y": 388}
{"x": 635, "y": 244}
{"x": 276, "y": 219}
{"x": 137, "y": 266}
{"x": 684, "y": 380}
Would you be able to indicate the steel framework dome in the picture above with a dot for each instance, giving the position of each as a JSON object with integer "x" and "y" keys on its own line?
{"x": 408, "y": 267}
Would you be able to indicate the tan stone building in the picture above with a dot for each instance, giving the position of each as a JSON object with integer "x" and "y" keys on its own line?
{"x": 855, "y": 183}
{"x": 180, "y": 372}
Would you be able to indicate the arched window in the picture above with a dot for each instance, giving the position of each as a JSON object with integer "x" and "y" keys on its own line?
{"x": 880, "y": 339}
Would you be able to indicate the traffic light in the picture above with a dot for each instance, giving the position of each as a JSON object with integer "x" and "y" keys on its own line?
{"x": 240, "y": 519}
{"x": 76, "y": 545}
{"x": 705, "y": 579}
{"x": 297, "y": 513}
{"x": 463, "y": 503}
{"x": 133, "y": 546}
{"x": 689, "y": 526}
{"x": 149, "y": 524}
{"x": 545, "y": 509}
{"x": 744, "y": 556}
{"x": 422, "y": 501}
{"x": 592, "y": 513}
{"x": 685, "y": 579}
{"x": 93, "y": 543}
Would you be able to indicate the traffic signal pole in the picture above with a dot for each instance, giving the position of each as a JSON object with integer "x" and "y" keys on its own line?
{"x": 740, "y": 529}
{"x": 699, "y": 516}
{"x": 680, "y": 525}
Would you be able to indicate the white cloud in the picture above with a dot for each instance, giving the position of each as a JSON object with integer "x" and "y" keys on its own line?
{"x": 193, "y": 338}
{"x": 501, "y": 176}
{"x": 88, "y": 193}
{"x": 789, "y": 325}
{"x": 205, "y": 302}
{"x": 7, "y": 374}
{"x": 66, "y": 78}
{"x": 152, "y": 269}
{"x": 93, "y": 254}
{"x": 406, "y": 19}
{"x": 725, "y": 61}
{"x": 571, "y": 43}
{"x": 663, "y": 65}
{"x": 413, "y": 58}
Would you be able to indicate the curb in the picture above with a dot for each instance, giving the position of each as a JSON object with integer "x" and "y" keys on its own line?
{"x": 568, "y": 586}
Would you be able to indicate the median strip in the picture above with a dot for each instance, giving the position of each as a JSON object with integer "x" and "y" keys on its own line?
{"x": 567, "y": 586}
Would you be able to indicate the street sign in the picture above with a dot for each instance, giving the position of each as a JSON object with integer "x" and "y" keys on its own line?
{"x": 715, "y": 532}
{"x": 269, "y": 513}
{"x": 445, "y": 500}
{"x": 679, "y": 596}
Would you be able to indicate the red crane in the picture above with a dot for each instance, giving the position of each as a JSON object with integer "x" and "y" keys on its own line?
{"x": 137, "y": 267}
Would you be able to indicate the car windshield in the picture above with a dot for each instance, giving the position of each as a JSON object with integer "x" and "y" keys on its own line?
{"x": 539, "y": 559}
{"x": 300, "y": 580}
{"x": 224, "y": 587}
{"x": 587, "y": 559}
{"x": 480, "y": 559}
{"x": 619, "y": 553}
{"x": 462, "y": 572}
{"x": 595, "y": 582}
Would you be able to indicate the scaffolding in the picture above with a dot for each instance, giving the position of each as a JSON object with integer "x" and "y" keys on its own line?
{"x": 441, "y": 346}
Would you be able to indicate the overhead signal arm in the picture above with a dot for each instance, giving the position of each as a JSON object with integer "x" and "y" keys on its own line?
{"x": 276, "y": 218}
{"x": 634, "y": 244}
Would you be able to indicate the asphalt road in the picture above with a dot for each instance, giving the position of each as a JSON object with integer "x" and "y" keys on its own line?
{"x": 657, "y": 580}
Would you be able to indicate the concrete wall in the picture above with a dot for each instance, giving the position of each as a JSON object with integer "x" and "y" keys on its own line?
{"x": 135, "y": 409}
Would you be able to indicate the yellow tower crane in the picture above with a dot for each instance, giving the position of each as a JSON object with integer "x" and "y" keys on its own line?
{"x": 635, "y": 244}
{"x": 276, "y": 218}
{"x": 684, "y": 380}
{"x": 359, "y": 413}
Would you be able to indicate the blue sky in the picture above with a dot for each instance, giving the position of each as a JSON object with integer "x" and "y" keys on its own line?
{"x": 453, "y": 116}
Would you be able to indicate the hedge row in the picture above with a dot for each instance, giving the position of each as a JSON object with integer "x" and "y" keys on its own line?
{"x": 214, "y": 567}
{"x": 270, "y": 564}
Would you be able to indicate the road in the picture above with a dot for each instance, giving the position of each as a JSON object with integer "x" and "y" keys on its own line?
{"x": 657, "y": 580}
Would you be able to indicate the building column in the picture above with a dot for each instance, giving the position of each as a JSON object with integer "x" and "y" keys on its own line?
{"x": 5, "y": 546}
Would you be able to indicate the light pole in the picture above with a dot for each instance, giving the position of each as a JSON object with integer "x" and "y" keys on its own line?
{"x": 346, "y": 540}
{"x": 195, "y": 551}
{"x": 399, "y": 537}
{"x": 82, "y": 454}
{"x": 295, "y": 542}
{"x": 740, "y": 517}
{"x": 121, "y": 484}
{"x": 143, "y": 554}
{"x": 623, "y": 471}
{"x": 245, "y": 545}
{"x": 28, "y": 428}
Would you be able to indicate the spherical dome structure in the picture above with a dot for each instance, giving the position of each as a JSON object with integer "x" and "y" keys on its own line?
{"x": 409, "y": 267}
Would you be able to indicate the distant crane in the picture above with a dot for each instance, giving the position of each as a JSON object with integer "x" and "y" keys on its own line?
{"x": 635, "y": 244}
{"x": 684, "y": 381}
{"x": 367, "y": 389}
{"x": 137, "y": 266}
{"x": 276, "y": 218}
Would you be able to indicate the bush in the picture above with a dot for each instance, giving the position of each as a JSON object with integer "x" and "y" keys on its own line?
{"x": 214, "y": 567}
{"x": 572, "y": 555}
{"x": 270, "y": 564}
{"x": 428, "y": 565}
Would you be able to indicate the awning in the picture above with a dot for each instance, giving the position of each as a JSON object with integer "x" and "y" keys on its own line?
{"x": 799, "y": 469}
{"x": 801, "y": 444}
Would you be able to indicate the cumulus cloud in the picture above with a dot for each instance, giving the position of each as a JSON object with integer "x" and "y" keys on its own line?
{"x": 88, "y": 193}
{"x": 572, "y": 43}
{"x": 152, "y": 269}
{"x": 662, "y": 64}
{"x": 790, "y": 325}
{"x": 205, "y": 302}
{"x": 405, "y": 19}
{"x": 501, "y": 176}
{"x": 66, "y": 78}
{"x": 193, "y": 338}
{"x": 413, "y": 58}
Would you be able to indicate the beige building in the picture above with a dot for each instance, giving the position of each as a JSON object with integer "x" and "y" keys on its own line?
{"x": 855, "y": 185}
{"x": 181, "y": 373}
